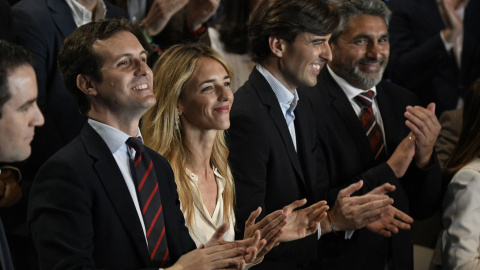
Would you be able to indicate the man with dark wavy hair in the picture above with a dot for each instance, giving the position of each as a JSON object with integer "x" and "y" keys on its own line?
{"x": 272, "y": 139}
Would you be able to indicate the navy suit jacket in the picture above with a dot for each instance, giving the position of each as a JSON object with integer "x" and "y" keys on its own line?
{"x": 418, "y": 59}
{"x": 82, "y": 216}
{"x": 267, "y": 170}
{"x": 348, "y": 158}
{"x": 41, "y": 26}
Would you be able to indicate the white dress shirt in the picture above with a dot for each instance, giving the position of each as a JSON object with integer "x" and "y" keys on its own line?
{"x": 115, "y": 140}
{"x": 136, "y": 10}
{"x": 288, "y": 101}
{"x": 82, "y": 16}
{"x": 461, "y": 219}
{"x": 351, "y": 92}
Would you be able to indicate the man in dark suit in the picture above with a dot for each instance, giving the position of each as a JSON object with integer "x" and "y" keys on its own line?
{"x": 19, "y": 115}
{"x": 40, "y": 27}
{"x": 84, "y": 210}
{"x": 435, "y": 49}
{"x": 272, "y": 139}
{"x": 376, "y": 149}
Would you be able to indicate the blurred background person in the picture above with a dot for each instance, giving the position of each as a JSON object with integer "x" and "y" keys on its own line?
{"x": 164, "y": 23}
{"x": 435, "y": 49}
{"x": 229, "y": 38}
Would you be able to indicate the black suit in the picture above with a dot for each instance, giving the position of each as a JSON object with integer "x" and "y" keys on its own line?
{"x": 349, "y": 158}
{"x": 418, "y": 58}
{"x": 266, "y": 169}
{"x": 82, "y": 216}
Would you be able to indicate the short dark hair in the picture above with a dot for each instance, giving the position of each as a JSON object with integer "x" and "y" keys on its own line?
{"x": 286, "y": 19}
{"x": 12, "y": 56}
{"x": 78, "y": 57}
{"x": 351, "y": 8}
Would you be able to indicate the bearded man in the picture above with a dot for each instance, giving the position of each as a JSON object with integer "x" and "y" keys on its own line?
{"x": 373, "y": 130}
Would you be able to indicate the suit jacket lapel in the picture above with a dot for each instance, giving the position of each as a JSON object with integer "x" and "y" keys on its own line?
{"x": 268, "y": 98}
{"x": 344, "y": 109}
{"x": 306, "y": 139}
{"x": 115, "y": 188}
{"x": 62, "y": 16}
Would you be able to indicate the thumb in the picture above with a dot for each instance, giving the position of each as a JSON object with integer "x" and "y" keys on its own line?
{"x": 348, "y": 191}
{"x": 383, "y": 189}
{"x": 218, "y": 235}
{"x": 431, "y": 107}
{"x": 294, "y": 205}
{"x": 253, "y": 216}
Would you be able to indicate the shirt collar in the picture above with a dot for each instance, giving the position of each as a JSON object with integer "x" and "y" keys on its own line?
{"x": 81, "y": 15}
{"x": 284, "y": 96}
{"x": 219, "y": 178}
{"x": 347, "y": 88}
{"x": 113, "y": 137}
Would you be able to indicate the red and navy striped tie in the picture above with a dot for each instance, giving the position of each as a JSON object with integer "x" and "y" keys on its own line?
{"x": 369, "y": 123}
{"x": 150, "y": 203}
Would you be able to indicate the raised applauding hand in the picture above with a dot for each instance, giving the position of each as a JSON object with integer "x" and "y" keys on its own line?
{"x": 354, "y": 212}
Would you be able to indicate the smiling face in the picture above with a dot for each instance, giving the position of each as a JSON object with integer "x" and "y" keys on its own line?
{"x": 125, "y": 90}
{"x": 207, "y": 98}
{"x": 302, "y": 60}
{"x": 20, "y": 115}
{"x": 361, "y": 53}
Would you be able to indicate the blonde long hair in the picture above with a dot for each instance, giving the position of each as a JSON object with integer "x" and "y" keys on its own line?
{"x": 163, "y": 133}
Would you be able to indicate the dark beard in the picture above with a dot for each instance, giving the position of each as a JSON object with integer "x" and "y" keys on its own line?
{"x": 364, "y": 79}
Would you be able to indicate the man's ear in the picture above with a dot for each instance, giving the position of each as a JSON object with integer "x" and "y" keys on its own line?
{"x": 277, "y": 46}
{"x": 86, "y": 85}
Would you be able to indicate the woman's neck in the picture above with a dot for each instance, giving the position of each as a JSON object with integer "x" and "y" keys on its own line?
{"x": 201, "y": 146}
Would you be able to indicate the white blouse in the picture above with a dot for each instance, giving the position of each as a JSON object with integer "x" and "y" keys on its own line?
{"x": 461, "y": 219}
{"x": 205, "y": 225}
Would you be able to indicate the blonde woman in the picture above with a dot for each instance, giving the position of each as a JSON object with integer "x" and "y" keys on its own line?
{"x": 186, "y": 126}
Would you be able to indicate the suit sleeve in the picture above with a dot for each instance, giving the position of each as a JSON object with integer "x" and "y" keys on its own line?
{"x": 61, "y": 225}
{"x": 30, "y": 35}
{"x": 424, "y": 189}
{"x": 36, "y": 36}
{"x": 451, "y": 122}
{"x": 411, "y": 61}
{"x": 461, "y": 216}
{"x": 248, "y": 159}
{"x": 60, "y": 218}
